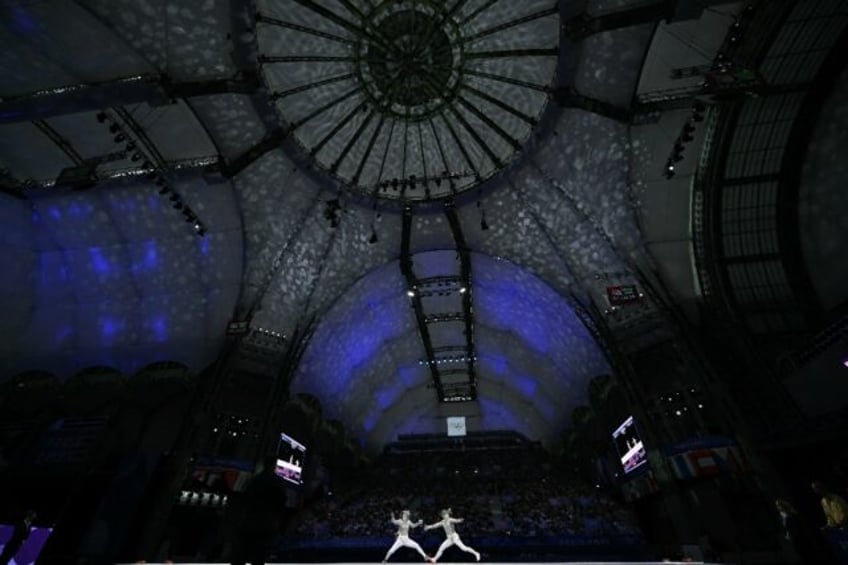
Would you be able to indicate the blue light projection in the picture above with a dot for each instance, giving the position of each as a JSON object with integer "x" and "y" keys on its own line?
{"x": 497, "y": 415}
{"x": 494, "y": 362}
{"x": 23, "y": 21}
{"x": 109, "y": 328}
{"x": 535, "y": 357}
{"x": 99, "y": 261}
{"x": 159, "y": 325}
{"x": 203, "y": 244}
{"x": 408, "y": 375}
{"x": 53, "y": 270}
{"x": 151, "y": 255}
{"x": 375, "y": 310}
{"x": 116, "y": 280}
{"x": 387, "y": 396}
{"x": 63, "y": 335}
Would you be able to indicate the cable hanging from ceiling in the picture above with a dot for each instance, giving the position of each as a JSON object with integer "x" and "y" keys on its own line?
{"x": 373, "y": 238}
{"x": 484, "y": 225}
{"x": 152, "y": 173}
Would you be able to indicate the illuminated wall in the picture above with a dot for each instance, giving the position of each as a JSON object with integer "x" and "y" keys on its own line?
{"x": 535, "y": 357}
{"x": 114, "y": 276}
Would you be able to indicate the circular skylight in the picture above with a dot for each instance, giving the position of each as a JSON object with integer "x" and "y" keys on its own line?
{"x": 409, "y": 99}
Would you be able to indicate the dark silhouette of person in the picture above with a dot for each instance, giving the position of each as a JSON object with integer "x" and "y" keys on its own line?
{"x": 834, "y": 506}
{"x": 19, "y": 536}
{"x": 796, "y": 533}
{"x": 263, "y": 507}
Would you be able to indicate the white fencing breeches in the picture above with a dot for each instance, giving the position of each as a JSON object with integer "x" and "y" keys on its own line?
{"x": 453, "y": 539}
{"x": 405, "y": 541}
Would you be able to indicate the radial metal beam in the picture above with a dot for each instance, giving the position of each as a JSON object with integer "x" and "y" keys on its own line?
{"x": 60, "y": 141}
{"x": 155, "y": 90}
{"x": 511, "y": 53}
{"x": 311, "y": 85}
{"x": 583, "y": 24}
{"x": 569, "y": 98}
{"x": 269, "y": 142}
{"x": 368, "y": 149}
{"x": 512, "y": 23}
{"x": 261, "y": 18}
{"x": 467, "y": 304}
{"x": 501, "y": 104}
{"x": 508, "y": 80}
{"x": 265, "y": 59}
{"x": 477, "y": 12}
{"x": 490, "y": 122}
{"x": 412, "y": 284}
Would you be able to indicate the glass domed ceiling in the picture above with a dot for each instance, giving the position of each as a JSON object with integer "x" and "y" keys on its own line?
{"x": 409, "y": 99}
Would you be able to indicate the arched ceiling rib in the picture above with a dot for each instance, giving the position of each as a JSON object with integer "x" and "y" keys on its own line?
{"x": 115, "y": 276}
{"x": 181, "y": 38}
{"x": 365, "y": 358}
{"x": 560, "y": 212}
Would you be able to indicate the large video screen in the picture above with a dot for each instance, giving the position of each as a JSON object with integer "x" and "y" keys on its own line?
{"x": 31, "y": 548}
{"x": 629, "y": 445}
{"x": 290, "y": 457}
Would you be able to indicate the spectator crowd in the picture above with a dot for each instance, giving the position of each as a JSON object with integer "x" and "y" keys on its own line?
{"x": 503, "y": 492}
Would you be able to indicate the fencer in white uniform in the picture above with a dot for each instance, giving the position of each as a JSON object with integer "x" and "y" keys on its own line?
{"x": 451, "y": 537}
{"x": 403, "y": 539}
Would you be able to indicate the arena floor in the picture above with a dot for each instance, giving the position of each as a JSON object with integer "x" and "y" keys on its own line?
{"x": 464, "y": 563}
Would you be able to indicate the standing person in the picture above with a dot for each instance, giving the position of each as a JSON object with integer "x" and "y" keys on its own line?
{"x": 834, "y": 506}
{"x": 795, "y": 533}
{"x": 403, "y": 539}
{"x": 19, "y": 536}
{"x": 788, "y": 517}
{"x": 451, "y": 537}
{"x": 264, "y": 502}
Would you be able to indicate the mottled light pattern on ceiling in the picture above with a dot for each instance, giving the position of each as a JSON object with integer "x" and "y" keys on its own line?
{"x": 182, "y": 38}
{"x": 143, "y": 289}
{"x": 399, "y": 90}
{"x": 535, "y": 357}
{"x": 116, "y": 278}
{"x": 823, "y": 199}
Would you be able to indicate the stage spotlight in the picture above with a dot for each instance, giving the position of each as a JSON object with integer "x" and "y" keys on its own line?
{"x": 410, "y": 293}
